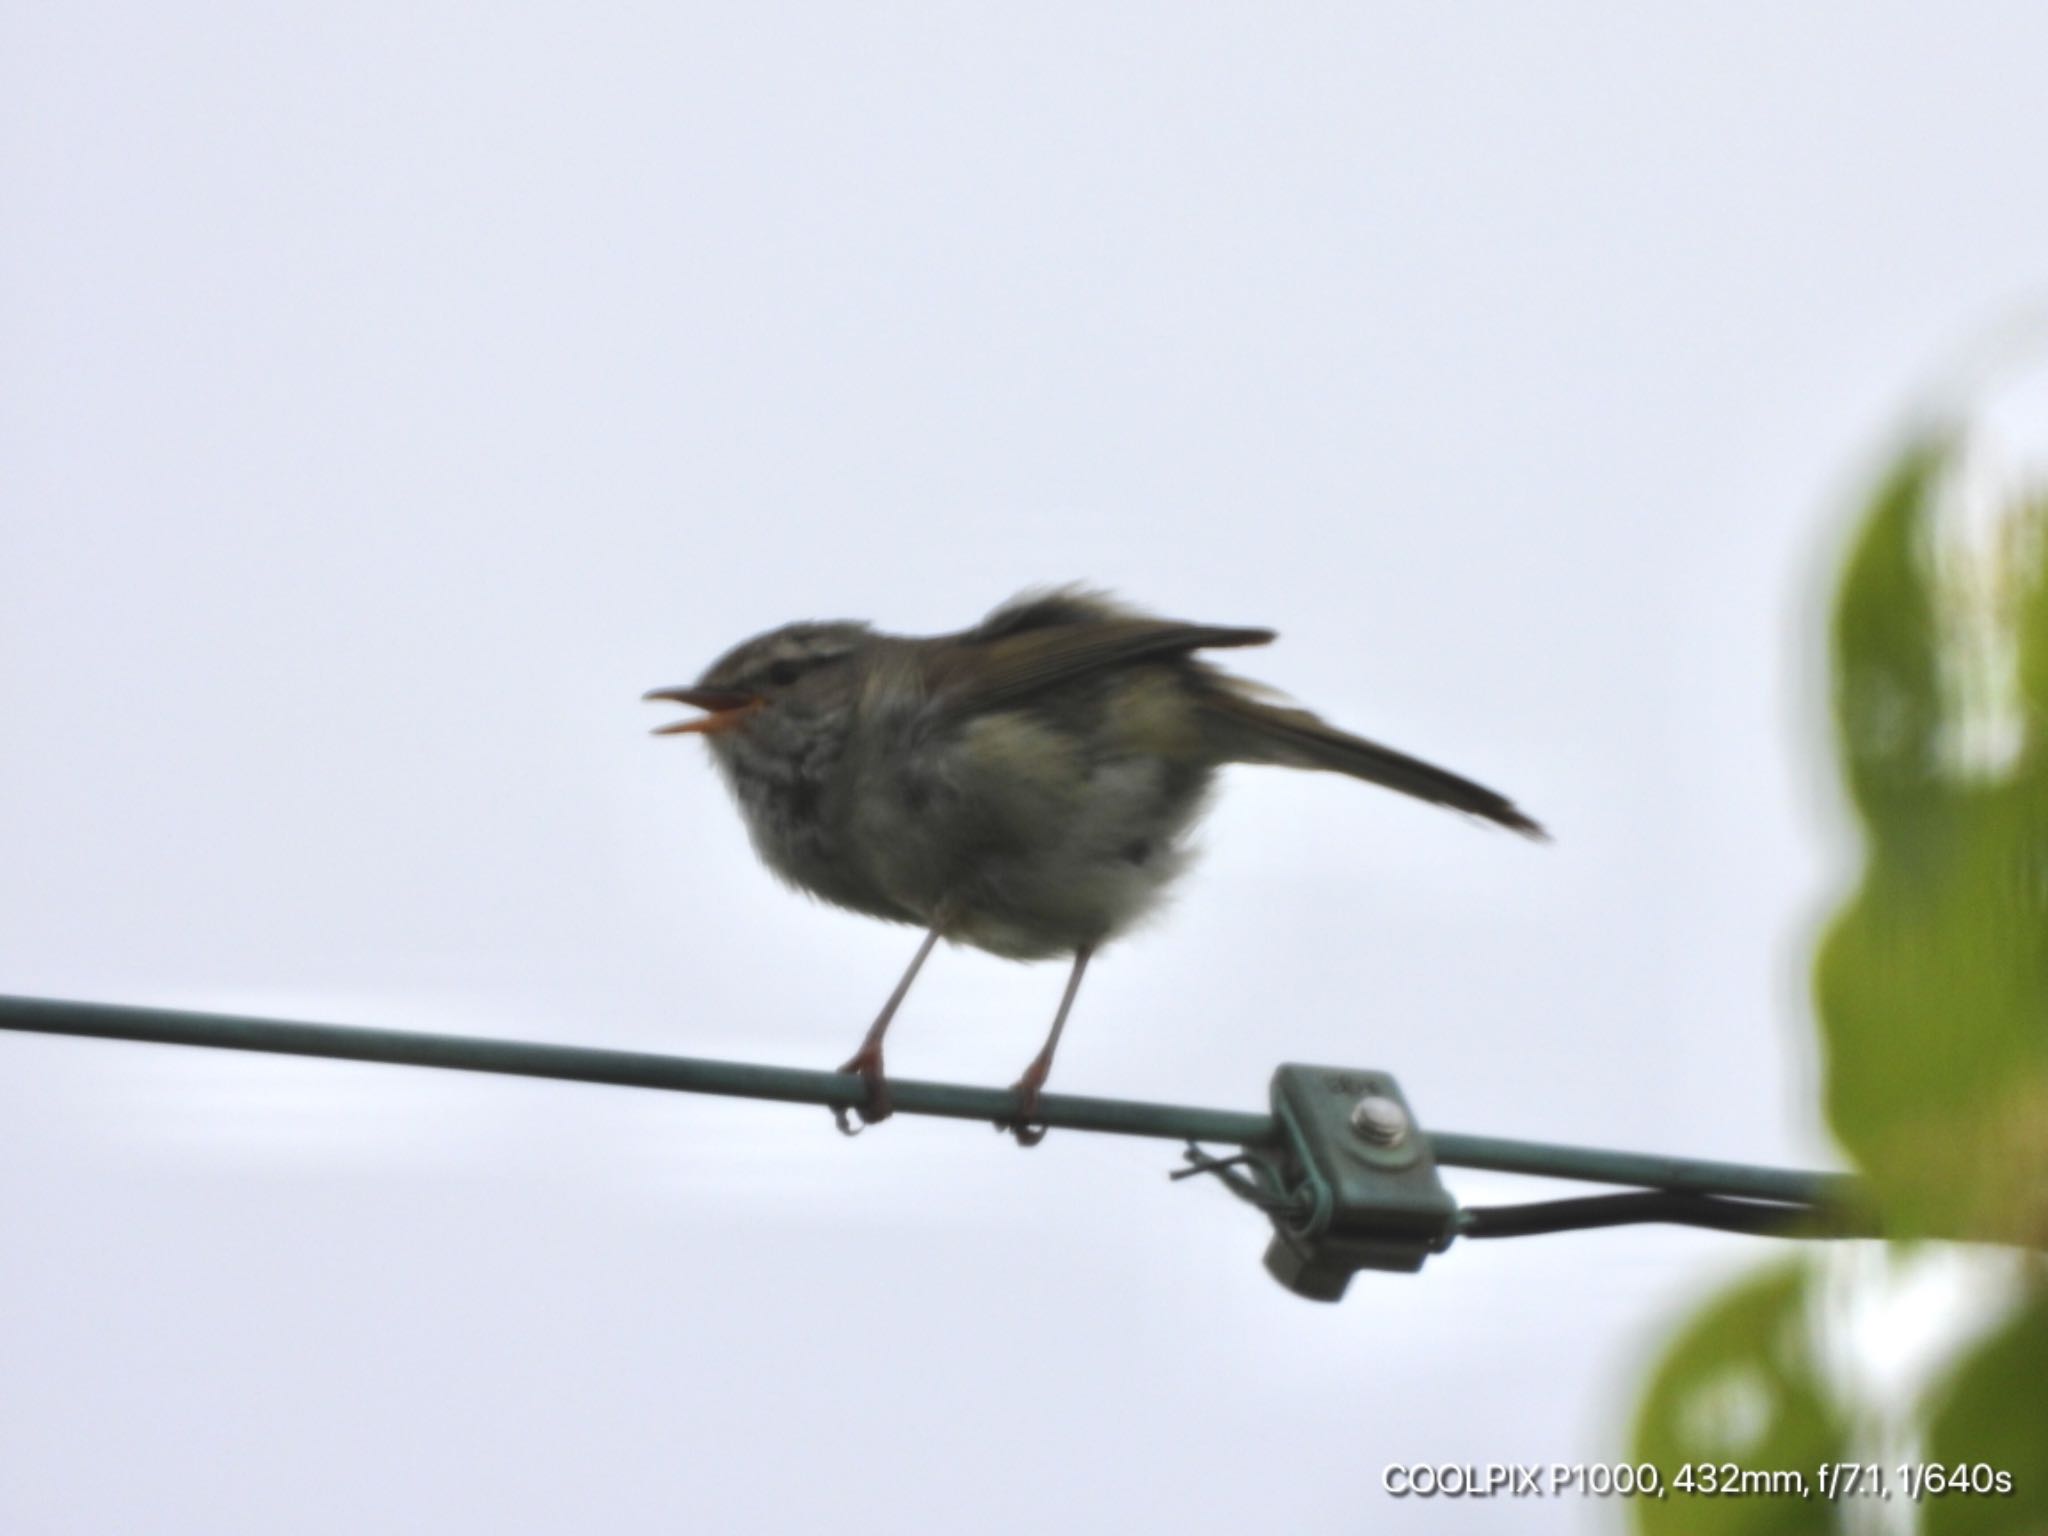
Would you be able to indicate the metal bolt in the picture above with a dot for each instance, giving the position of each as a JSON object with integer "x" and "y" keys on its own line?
{"x": 1380, "y": 1120}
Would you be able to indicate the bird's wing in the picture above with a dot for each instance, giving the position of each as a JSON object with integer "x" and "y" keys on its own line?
{"x": 997, "y": 666}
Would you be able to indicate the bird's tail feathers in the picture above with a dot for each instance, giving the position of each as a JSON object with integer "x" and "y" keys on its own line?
{"x": 1249, "y": 730}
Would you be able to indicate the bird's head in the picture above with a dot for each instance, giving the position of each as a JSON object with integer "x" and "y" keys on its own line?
{"x": 771, "y": 688}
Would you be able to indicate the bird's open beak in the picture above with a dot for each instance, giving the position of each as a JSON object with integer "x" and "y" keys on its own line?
{"x": 724, "y": 709}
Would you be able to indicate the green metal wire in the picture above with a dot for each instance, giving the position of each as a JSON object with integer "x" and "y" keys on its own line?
{"x": 792, "y": 1085}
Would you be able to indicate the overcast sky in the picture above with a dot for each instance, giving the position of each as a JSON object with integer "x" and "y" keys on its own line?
{"x": 389, "y": 394}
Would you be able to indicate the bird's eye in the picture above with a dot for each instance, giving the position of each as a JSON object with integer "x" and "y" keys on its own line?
{"x": 783, "y": 673}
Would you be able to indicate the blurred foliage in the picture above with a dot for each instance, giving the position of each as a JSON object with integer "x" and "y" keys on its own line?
{"x": 1742, "y": 1384}
{"x": 1931, "y": 994}
{"x": 1932, "y": 983}
{"x": 1990, "y": 1410}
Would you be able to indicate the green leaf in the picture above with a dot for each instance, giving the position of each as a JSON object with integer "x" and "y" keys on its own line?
{"x": 1741, "y": 1384}
{"x": 1993, "y": 1412}
{"x": 1888, "y": 701}
{"x": 1932, "y": 984}
{"x": 2028, "y": 557}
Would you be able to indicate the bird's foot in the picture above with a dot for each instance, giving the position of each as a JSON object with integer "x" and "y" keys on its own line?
{"x": 1028, "y": 1088}
{"x": 867, "y": 1063}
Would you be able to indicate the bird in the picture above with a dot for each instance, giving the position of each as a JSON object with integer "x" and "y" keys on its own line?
{"x": 1027, "y": 786}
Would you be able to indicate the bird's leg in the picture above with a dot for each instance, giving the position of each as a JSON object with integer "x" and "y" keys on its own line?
{"x": 867, "y": 1061}
{"x": 1032, "y": 1083}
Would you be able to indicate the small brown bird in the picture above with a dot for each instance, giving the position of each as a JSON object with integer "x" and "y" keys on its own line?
{"x": 1026, "y": 786}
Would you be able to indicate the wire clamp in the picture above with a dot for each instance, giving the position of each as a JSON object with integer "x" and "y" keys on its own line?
{"x": 1358, "y": 1184}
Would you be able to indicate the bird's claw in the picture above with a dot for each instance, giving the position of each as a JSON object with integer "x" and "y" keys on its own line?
{"x": 1028, "y": 1135}
{"x": 867, "y": 1065}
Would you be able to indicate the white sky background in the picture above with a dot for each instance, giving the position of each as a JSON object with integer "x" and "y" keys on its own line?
{"x": 390, "y": 393}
